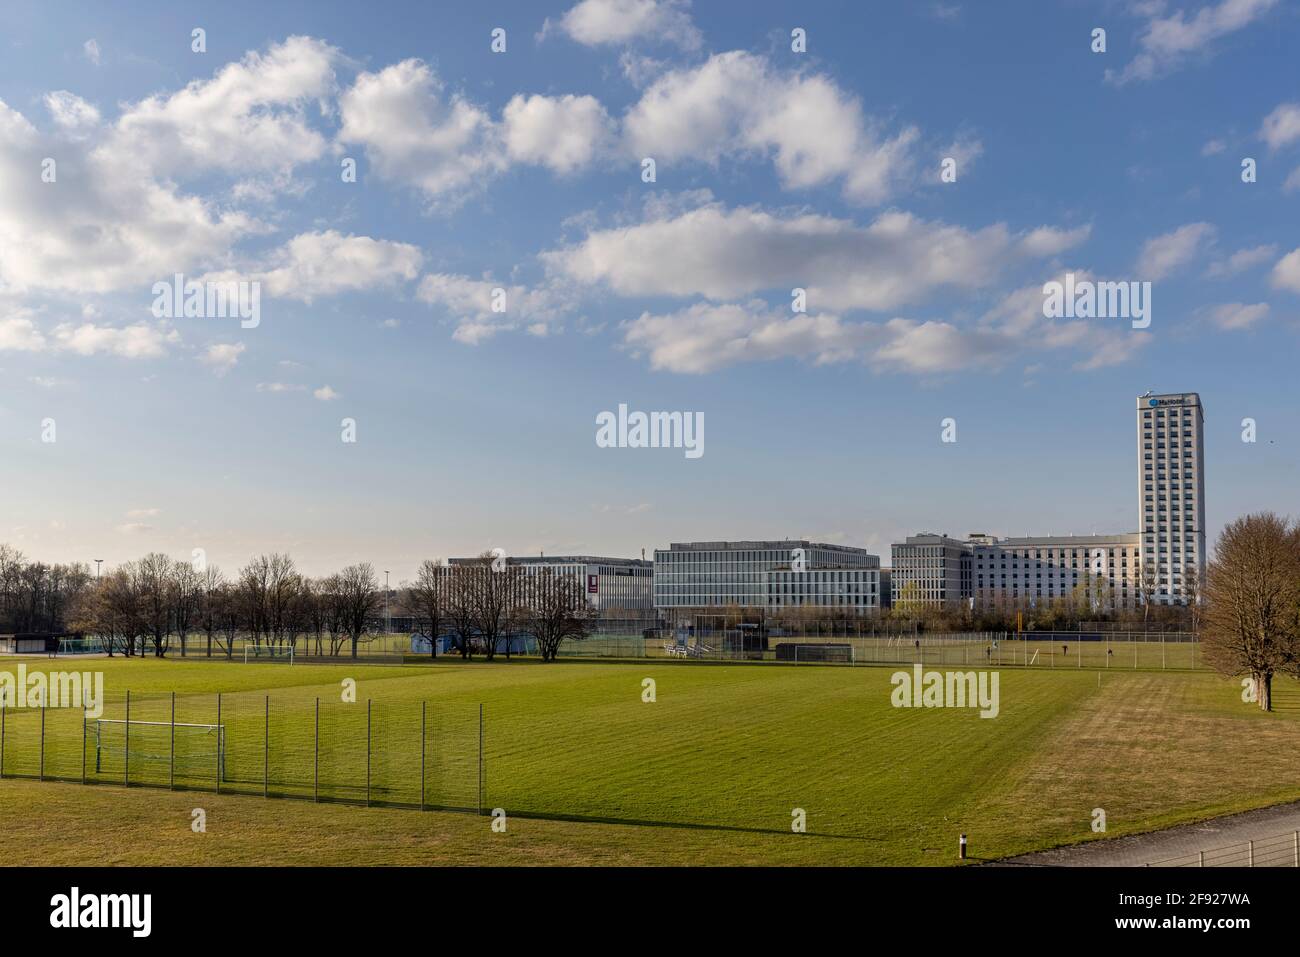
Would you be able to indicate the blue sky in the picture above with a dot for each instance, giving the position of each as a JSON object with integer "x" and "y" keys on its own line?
{"x": 522, "y": 170}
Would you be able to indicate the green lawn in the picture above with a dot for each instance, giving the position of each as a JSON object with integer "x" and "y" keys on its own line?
{"x": 589, "y": 773}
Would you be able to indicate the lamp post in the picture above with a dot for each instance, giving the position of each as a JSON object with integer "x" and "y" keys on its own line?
{"x": 388, "y": 622}
{"x": 98, "y": 562}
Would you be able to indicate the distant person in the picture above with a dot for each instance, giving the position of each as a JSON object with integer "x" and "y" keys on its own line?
{"x": 988, "y": 652}
{"x": 1065, "y": 649}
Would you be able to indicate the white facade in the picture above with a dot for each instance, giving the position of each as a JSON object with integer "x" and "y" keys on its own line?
{"x": 1053, "y": 567}
{"x": 766, "y": 575}
{"x": 1171, "y": 490}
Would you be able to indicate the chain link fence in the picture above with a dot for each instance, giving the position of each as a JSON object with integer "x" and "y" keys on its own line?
{"x": 413, "y": 755}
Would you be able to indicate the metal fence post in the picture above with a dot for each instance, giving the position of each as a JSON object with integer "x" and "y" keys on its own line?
{"x": 3, "y": 709}
{"x": 83, "y": 742}
{"x": 266, "y": 751}
{"x": 315, "y": 747}
{"x": 1251, "y": 851}
{"x": 220, "y": 736}
{"x": 126, "y": 744}
{"x": 480, "y": 759}
{"x": 424, "y": 705}
{"x": 1297, "y": 848}
{"x": 1201, "y": 859}
{"x": 367, "y": 752}
{"x": 171, "y": 775}
{"x": 41, "y": 773}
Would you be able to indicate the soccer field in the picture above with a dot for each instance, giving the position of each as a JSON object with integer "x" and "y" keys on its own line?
{"x": 710, "y": 772}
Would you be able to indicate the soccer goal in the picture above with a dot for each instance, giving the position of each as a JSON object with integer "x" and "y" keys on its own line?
{"x": 283, "y": 653}
{"x": 196, "y": 750}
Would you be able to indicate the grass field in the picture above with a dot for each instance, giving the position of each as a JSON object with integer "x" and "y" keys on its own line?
{"x": 707, "y": 774}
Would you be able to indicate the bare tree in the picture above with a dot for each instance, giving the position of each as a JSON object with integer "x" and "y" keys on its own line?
{"x": 425, "y": 598}
{"x": 460, "y": 597}
{"x": 554, "y": 608}
{"x": 211, "y": 597}
{"x": 1193, "y": 593}
{"x": 153, "y": 577}
{"x": 494, "y": 588}
{"x": 1252, "y": 602}
{"x": 185, "y": 596}
{"x": 1148, "y": 584}
{"x": 358, "y": 600}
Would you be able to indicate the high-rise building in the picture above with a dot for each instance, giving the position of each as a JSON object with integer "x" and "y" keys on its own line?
{"x": 1116, "y": 570}
{"x": 1171, "y": 492}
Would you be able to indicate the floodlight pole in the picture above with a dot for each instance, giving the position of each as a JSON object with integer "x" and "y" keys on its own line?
{"x": 388, "y": 622}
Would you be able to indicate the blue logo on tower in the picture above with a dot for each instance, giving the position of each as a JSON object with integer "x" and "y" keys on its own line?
{"x": 1153, "y": 402}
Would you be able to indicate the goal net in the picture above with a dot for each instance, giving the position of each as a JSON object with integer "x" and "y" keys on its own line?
{"x": 197, "y": 750}
{"x": 282, "y": 653}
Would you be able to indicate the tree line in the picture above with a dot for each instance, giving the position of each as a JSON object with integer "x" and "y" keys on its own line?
{"x": 156, "y": 605}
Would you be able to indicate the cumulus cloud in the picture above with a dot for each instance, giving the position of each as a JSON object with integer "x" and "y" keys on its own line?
{"x": 1286, "y": 272}
{"x": 1169, "y": 252}
{"x": 563, "y": 133}
{"x": 481, "y": 307}
{"x": 738, "y": 104}
{"x": 1167, "y": 42}
{"x": 324, "y": 394}
{"x": 250, "y": 116}
{"x": 71, "y": 113}
{"x": 101, "y": 226}
{"x": 415, "y": 132}
{"x": 222, "y": 356}
{"x": 90, "y": 49}
{"x": 329, "y": 263}
{"x": 618, "y": 22}
{"x": 1282, "y": 126}
{"x": 723, "y": 254}
{"x": 19, "y": 334}
{"x": 137, "y": 341}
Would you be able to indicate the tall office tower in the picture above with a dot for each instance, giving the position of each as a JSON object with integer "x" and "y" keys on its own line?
{"x": 1171, "y": 492}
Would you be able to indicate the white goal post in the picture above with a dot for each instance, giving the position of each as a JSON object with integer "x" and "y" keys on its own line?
{"x": 268, "y": 653}
{"x": 199, "y": 749}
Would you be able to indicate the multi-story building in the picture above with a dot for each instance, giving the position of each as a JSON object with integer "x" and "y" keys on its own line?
{"x": 1118, "y": 570}
{"x": 763, "y": 577}
{"x": 1171, "y": 491}
{"x": 619, "y": 590}
{"x": 1014, "y": 569}
{"x": 930, "y": 569}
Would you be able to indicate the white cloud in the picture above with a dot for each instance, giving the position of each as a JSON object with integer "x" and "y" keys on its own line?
{"x": 724, "y": 254}
{"x": 1168, "y": 41}
{"x": 280, "y": 387}
{"x": 414, "y": 132}
{"x": 1241, "y": 260}
{"x": 1282, "y": 126}
{"x": 137, "y": 341}
{"x": 91, "y": 50}
{"x": 1213, "y": 148}
{"x": 1166, "y": 253}
{"x": 600, "y": 22}
{"x": 563, "y": 133}
{"x": 738, "y": 104}
{"x": 1237, "y": 315}
{"x": 324, "y": 394}
{"x": 19, "y": 334}
{"x": 329, "y": 263}
{"x": 102, "y": 225}
{"x": 222, "y": 356}
{"x": 1047, "y": 241}
{"x": 469, "y": 302}
{"x": 1286, "y": 272}
{"x": 71, "y": 113}
{"x": 250, "y": 116}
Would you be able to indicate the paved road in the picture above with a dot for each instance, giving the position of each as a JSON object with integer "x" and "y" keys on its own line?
{"x": 1224, "y": 839}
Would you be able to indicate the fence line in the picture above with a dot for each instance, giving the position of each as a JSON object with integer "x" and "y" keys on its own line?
{"x": 417, "y": 755}
{"x": 1280, "y": 850}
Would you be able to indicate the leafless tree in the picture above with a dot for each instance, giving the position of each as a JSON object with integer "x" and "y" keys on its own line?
{"x": 153, "y": 579}
{"x": 425, "y": 599}
{"x": 185, "y": 597}
{"x": 554, "y": 608}
{"x": 358, "y": 598}
{"x": 1252, "y": 602}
